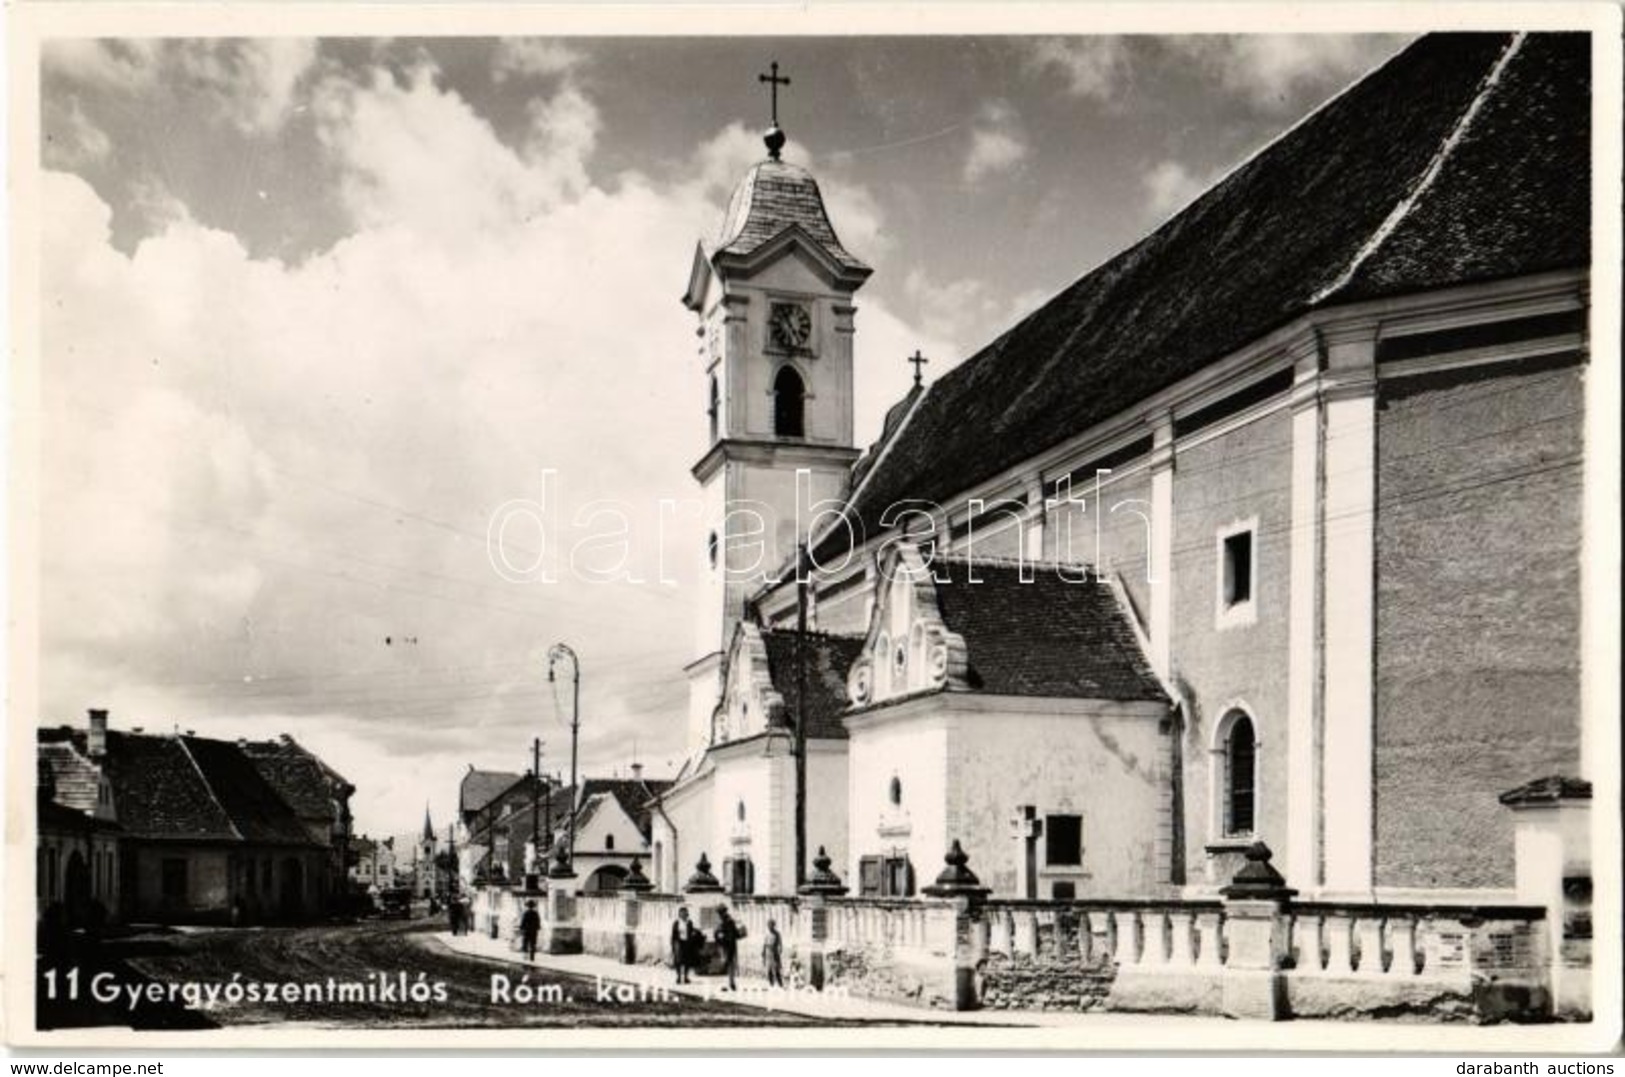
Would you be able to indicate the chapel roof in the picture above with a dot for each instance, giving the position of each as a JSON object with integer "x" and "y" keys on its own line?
{"x": 828, "y": 659}
{"x": 1463, "y": 159}
{"x": 1048, "y": 636}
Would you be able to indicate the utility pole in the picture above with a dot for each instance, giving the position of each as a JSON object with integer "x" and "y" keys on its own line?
{"x": 537, "y": 856}
{"x": 802, "y": 567}
{"x": 558, "y": 651}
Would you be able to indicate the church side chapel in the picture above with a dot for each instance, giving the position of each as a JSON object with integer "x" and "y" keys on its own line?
{"x": 1266, "y": 529}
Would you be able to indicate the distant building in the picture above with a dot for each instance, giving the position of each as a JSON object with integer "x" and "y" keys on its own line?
{"x": 203, "y": 834}
{"x": 612, "y": 828}
{"x": 375, "y": 865}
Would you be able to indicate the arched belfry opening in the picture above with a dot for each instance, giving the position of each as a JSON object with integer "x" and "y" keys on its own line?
{"x": 789, "y": 404}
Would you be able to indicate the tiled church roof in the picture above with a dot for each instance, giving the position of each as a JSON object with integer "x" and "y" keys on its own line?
{"x": 1047, "y": 637}
{"x": 828, "y": 659}
{"x": 1441, "y": 168}
{"x": 773, "y": 196}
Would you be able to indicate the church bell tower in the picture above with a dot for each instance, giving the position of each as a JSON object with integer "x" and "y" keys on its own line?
{"x": 773, "y": 296}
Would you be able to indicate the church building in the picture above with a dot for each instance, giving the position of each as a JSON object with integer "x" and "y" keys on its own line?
{"x": 1267, "y": 528}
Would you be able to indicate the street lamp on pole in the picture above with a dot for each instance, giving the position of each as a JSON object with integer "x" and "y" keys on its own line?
{"x": 555, "y": 653}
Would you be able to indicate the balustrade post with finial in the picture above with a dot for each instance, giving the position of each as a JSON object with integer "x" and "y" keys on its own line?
{"x": 960, "y": 886}
{"x": 561, "y": 927}
{"x": 633, "y": 887}
{"x": 815, "y": 894}
{"x": 1257, "y": 922}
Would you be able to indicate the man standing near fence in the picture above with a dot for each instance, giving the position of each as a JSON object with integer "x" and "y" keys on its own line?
{"x": 530, "y": 926}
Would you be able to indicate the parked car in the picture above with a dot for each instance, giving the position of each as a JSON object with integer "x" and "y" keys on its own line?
{"x": 395, "y": 902}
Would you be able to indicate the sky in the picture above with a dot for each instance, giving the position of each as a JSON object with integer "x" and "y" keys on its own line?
{"x": 314, "y": 310}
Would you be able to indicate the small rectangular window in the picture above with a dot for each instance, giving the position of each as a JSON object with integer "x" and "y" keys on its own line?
{"x": 1236, "y": 598}
{"x": 1063, "y": 890}
{"x": 1063, "y": 840}
{"x": 1238, "y": 568}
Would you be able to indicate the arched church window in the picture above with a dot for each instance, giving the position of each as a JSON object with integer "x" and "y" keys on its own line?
{"x": 895, "y": 792}
{"x": 714, "y": 408}
{"x": 789, "y": 395}
{"x": 739, "y": 811}
{"x": 1240, "y": 777}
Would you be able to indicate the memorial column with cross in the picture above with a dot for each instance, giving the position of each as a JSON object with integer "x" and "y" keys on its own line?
{"x": 1026, "y": 828}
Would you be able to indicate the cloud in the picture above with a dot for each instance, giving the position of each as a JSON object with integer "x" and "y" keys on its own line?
{"x": 72, "y": 140}
{"x": 997, "y": 143}
{"x": 531, "y": 57}
{"x": 1170, "y": 186}
{"x": 250, "y": 84}
{"x": 258, "y": 470}
{"x": 1269, "y": 70}
{"x": 962, "y": 314}
{"x": 121, "y": 65}
{"x": 1093, "y": 67}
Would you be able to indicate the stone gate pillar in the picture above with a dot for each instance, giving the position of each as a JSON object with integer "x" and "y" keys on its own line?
{"x": 561, "y": 926}
{"x": 1552, "y": 847}
{"x": 814, "y": 939}
{"x": 958, "y": 884}
{"x": 633, "y": 887}
{"x": 705, "y": 897}
{"x": 1257, "y": 922}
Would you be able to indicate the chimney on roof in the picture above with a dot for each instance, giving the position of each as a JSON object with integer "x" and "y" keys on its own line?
{"x": 637, "y": 772}
{"x": 96, "y": 740}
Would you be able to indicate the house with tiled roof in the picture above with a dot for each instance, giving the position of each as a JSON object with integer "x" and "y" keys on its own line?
{"x": 612, "y": 828}
{"x": 1267, "y": 528}
{"x": 318, "y": 794}
{"x": 204, "y": 836}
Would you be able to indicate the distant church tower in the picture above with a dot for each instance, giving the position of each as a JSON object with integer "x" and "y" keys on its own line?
{"x": 774, "y": 300}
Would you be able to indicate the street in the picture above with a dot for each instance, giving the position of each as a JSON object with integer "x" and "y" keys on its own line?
{"x": 368, "y": 974}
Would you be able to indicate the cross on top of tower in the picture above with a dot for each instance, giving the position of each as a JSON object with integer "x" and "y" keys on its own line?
{"x": 919, "y": 361}
{"x": 774, "y": 137}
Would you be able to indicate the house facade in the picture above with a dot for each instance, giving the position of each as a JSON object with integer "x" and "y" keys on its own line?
{"x": 1268, "y": 528}
{"x": 202, "y": 835}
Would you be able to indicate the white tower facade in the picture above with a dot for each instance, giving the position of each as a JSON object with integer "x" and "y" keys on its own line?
{"x": 774, "y": 298}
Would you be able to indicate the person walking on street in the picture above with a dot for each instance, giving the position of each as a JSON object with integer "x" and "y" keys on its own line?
{"x": 773, "y": 955}
{"x": 530, "y": 926}
{"x": 728, "y": 935}
{"x": 686, "y": 941}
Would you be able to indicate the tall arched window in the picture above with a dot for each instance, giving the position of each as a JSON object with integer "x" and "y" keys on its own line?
{"x": 1240, "y": 777}
{"x": 788, "y": 394}
{"x": 714, "y": 408}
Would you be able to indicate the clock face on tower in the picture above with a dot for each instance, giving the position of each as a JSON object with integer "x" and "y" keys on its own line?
{"x": 790, "y": 325}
